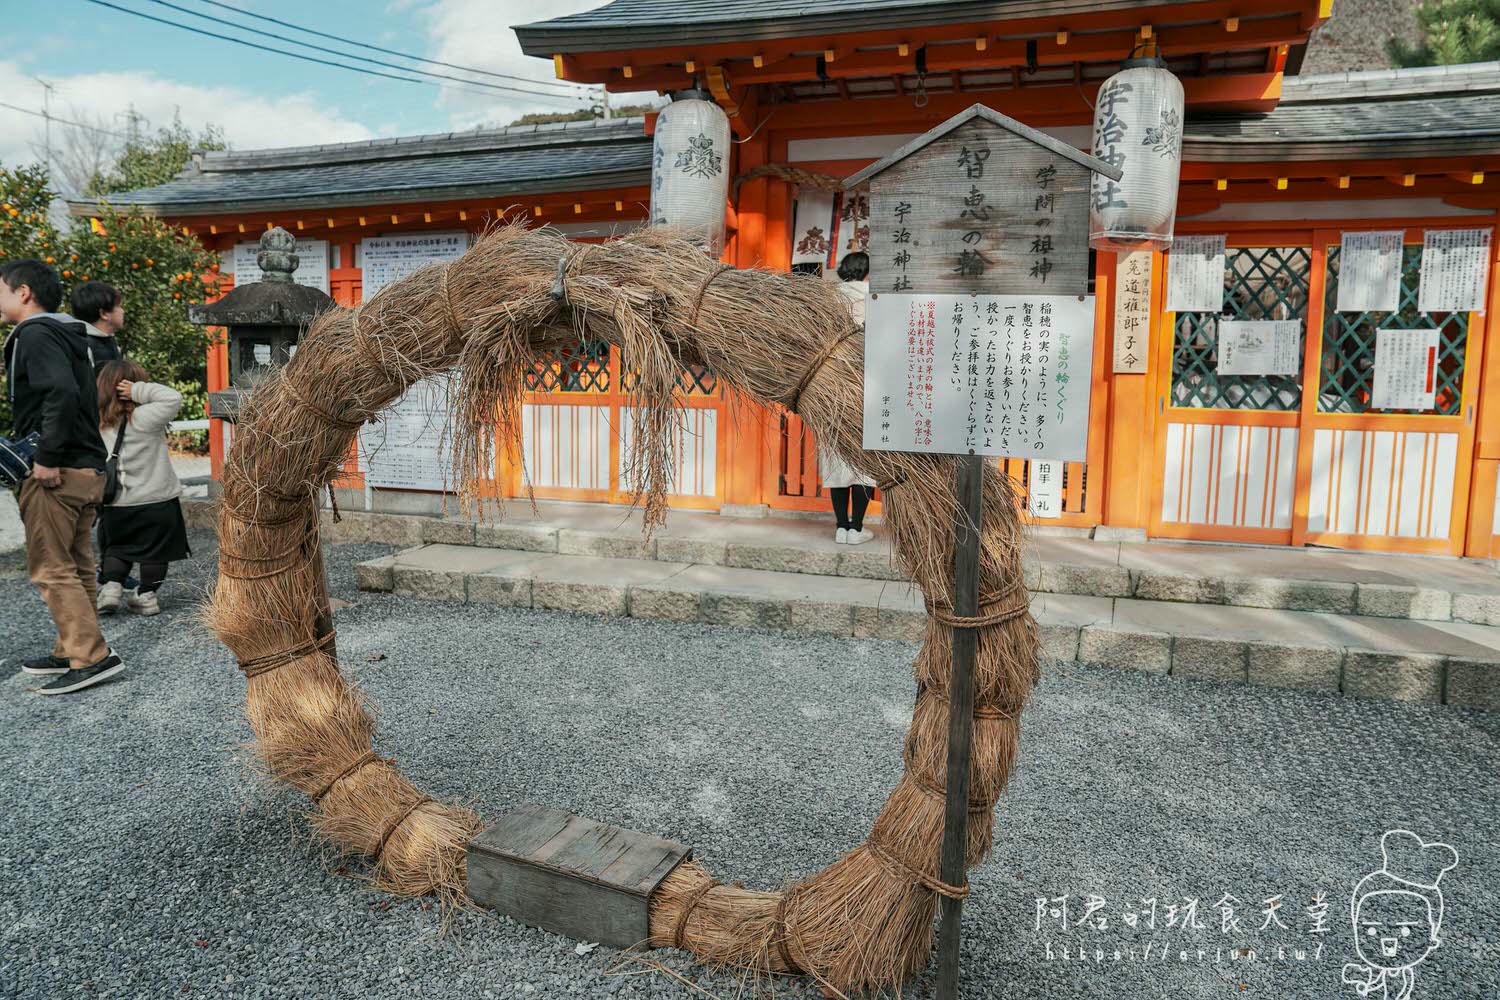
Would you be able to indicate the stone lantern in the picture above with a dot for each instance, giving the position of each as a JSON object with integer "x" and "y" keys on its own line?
{"x": 264, "y": 319}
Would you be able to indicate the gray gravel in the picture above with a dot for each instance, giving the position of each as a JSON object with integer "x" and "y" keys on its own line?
{"x": 141, "y": 859}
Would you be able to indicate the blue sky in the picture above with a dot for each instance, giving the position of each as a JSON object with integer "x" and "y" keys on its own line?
{"x": 103, "y": 61}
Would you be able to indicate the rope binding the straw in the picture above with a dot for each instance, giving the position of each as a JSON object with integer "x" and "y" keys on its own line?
{"x": 258, "y": 665}
{"x": 816, "y": 366}
{"x": 1019, "y": 604}
{"x": 907, "y": 873}
{"x": 386, "y": 836}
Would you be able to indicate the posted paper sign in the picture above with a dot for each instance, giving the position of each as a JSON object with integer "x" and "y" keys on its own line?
{"x": 1195, "y": 274}
{"x": 1044, "y": 493}
{"x": 1405, "y": 370}
{"x": 992, "y": 374}
{"x": 410, "y": 445}
{"x": 1455, "y": 269}
{"x": 1370, "y": 272}
{"x": 813, "y": 237}
{"x": 1260, "y": 347}
{"x": 1132, "y": 312}
{"x": 384, "y": 259}
{"x": 312, "y": 263}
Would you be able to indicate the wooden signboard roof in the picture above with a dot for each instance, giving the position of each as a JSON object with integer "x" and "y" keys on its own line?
{"x": 1056, "y": 146}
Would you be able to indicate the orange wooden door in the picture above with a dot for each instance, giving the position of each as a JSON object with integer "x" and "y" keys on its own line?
{"x": 1386, "y": 479}
{"x": 1226, "y": 446}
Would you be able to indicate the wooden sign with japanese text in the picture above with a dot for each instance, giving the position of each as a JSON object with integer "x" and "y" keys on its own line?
{"x": 1132, "y": 312}
{"x": 980, "y": 210}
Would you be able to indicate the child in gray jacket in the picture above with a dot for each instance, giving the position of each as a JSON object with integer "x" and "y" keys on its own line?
{"x": 143, "y": 524}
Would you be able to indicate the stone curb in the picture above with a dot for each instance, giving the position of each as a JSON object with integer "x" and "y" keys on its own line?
{"x": 1353, "y": 672}
{"x": 1376, "y": 600}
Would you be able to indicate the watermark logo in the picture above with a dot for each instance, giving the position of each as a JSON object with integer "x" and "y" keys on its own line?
{"x": 1397, "y": 912}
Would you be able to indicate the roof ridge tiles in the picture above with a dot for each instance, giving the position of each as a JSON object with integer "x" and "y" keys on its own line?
{"x": 436, "y": 143}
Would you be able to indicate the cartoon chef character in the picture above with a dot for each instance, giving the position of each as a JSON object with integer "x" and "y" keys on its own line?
{"x": 1398, "y": 913}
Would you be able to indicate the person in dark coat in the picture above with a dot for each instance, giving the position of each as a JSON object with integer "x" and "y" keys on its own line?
{"x": 101, "y": 307}
{"x": 50, "y": 377}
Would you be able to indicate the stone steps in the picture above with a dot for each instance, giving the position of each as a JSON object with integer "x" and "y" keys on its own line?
{"x": 1328, "y": 581}
{"x": 1358, "y": 655}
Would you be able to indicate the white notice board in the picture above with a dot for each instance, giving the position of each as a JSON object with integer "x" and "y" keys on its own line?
{"x": 384, "y": 259}
{"x": 1370, "y": 272}
{"x": 1455, "y": 270}
{"x": 1405, "y": 370}
{"x": 1044, "y": 490}
{"x": 992, "y": 374}
{"x": 312, "y": 264}
{"x": 1260, "y": 347}
{"x": 410, "y": 445}
{"x": 1195, "y": 274}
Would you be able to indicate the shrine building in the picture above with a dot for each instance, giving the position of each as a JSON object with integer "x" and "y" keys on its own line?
{"x": 1180, "y": 444}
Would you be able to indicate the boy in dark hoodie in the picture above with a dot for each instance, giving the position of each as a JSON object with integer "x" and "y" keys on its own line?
{"x": 49, "y": 368}
{"x": 102, "y": 309}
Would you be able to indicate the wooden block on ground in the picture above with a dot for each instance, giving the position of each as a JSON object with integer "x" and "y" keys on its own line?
{"x": 569, "y": 875}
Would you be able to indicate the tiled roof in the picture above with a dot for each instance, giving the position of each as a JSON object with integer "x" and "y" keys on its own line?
{"x": 1431, "y": 111}
{"x": 570, "y": 156}
{"x": 651, "y": 23}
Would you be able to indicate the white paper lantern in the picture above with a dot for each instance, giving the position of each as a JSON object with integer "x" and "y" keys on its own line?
{"x": 1138, "y": 128}
{"x": 690, "y": 168}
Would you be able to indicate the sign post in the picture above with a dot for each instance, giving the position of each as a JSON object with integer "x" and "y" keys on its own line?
{"x": 978, "y": 323}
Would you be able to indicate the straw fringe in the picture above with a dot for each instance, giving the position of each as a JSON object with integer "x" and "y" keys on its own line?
{"x": 865, "y": 922}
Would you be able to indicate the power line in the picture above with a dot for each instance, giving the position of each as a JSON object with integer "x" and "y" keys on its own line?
{"x": 349, "y": 55}
{"x": 63, "y": 121}
{"x": 298, "y": 55}
{"x": 377, "y": 48}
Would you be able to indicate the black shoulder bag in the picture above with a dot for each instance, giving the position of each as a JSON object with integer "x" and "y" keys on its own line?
{"x": 112, "y": 465}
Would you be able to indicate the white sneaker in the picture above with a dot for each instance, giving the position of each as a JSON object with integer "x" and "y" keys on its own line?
{"x": 860, "y": 537}
{"x": 144, "y": 604}
{"x": 841, "y": 536}
{"x": 110, "y": 595}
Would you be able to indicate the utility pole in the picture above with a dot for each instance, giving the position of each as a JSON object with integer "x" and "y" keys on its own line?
{"x": 47, "y": 117}
{"x": 607, "y": 113}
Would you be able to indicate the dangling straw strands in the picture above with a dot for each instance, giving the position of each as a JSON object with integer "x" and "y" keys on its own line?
{"x": 864, "y": 923}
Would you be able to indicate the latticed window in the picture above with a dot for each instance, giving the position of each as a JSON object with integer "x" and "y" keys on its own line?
{"x": 1349, "y": 344}
{"x": 1259, "y": 283}
{"x": 698, "y": 380}
{"x": 574, "y": 368}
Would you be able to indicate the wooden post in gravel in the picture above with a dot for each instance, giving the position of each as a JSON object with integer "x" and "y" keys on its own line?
{"x": 960, "y": 714}
{"x": 978, "y": 248}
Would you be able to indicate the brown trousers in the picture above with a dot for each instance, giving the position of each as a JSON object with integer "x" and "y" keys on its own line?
{"x": 60, "y": 559}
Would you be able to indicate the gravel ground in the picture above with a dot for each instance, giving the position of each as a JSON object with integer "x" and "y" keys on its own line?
{"x": 142, "y": 859}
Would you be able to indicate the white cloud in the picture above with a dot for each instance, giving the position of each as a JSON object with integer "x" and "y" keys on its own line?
{"x": 477, "y": 33}
{"x": 249, "y": 121}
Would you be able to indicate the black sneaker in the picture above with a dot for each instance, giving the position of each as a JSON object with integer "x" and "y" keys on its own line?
{"x": 44, "y": 665}
{"x": 77, "y": 680}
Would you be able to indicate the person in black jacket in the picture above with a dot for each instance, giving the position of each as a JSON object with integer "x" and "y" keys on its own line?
{"x": 102, "y": 309}
{"x": 49, "y": 368}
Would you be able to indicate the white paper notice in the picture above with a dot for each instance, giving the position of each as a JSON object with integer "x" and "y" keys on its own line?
{"x": 1132, "y": 312}
{"x": 1405, "y": 370}
{"x": 410, "y": 445}
{"x": 1044, "y": 493}
{"x": 1195, "y": 274}
{"x": 312, "y": 263}
{"x": 992, "y": 374}
{"x": 1260, "y": 347}
{"x": 813, "y": 235}
{"x": 384, "y": 259}
{"x": 1455, "y": 270}
{"x": 1370, "y": 272}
